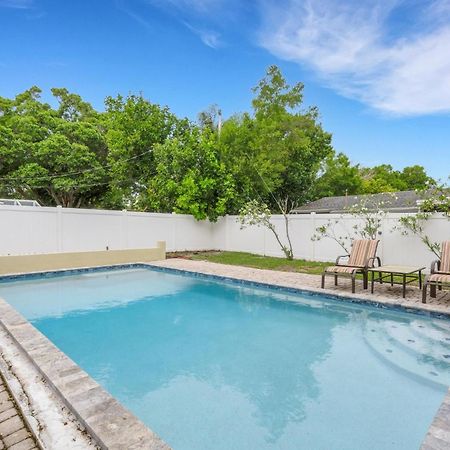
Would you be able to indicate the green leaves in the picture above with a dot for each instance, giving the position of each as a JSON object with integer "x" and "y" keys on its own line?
{"x": 190, "y": 178}
{"x": 134, "y": 126}
{"x": 276, "y": 153}
{"x": 54, "y": 156}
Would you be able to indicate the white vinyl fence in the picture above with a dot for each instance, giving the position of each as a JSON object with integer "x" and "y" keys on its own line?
{"x": 49, "y": 230}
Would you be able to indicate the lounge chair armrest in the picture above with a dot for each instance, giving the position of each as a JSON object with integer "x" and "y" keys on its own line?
{"x": 339, "y": 257}
{"x": 435, "y": 265}
{"x": 371, "y": 261}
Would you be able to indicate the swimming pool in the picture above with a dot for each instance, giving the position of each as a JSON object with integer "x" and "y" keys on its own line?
{"x": 215, "y": 365}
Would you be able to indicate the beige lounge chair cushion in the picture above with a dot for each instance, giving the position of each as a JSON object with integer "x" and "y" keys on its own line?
{"x": 439, "y": 278}
{"x": 342, "y": 269}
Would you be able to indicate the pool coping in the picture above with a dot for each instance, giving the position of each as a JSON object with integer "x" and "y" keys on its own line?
{"x": 108, "y": 421}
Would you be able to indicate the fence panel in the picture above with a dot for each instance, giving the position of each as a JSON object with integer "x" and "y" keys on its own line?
{"x": 49, "y": 230}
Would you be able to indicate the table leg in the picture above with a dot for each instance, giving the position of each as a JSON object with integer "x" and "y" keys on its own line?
{"x": 404, "y": 285}
{"x": 420, "y": 279}
{"x": 392, "y": 279}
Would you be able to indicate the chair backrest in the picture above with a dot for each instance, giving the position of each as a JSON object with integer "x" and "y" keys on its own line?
{"x": 362, "y": 250}
{"x": 445, "y": 257}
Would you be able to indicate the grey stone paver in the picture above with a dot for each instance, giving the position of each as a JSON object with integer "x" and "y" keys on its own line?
{"x": 11, "y": 412}
{"x": 14, "y": 433}
{"x": 5, "y": 406}
{"x": 4, "y": 396}
{"x": 438, "y": 436}
{"x": 10, "y": 426}
{"x": 16, "y": 437}
{"x": 27, "y": 444}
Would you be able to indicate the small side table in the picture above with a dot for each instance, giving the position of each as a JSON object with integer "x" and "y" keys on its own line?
{"x": 408, "y": 274}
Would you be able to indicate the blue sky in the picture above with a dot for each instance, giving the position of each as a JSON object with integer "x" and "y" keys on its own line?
{"x": 379, "y": 70}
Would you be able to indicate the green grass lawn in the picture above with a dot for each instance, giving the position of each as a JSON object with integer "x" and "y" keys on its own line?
{"x": 260, "y": 262}
{"x": 256, "y": 261}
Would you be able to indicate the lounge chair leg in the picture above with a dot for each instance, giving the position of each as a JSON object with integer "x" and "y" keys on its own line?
{"x": 323, "y": 281}
{"x": 424, "y": 292}
{"x": 335, "y": 280}
{"x": 432, "y": 290}
{"x": 353, "y": 284}
{"x": 365, "y": 280}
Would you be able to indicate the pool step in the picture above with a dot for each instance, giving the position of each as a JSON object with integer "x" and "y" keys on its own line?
{"x": 434, "y": 349}
{"x": 434, "y": 332}
{"x": 441, "y": 326}
{"x": 426, "y": 359}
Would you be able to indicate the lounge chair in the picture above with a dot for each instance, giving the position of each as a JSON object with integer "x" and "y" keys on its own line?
{"x": 439, "y": 276}
{"x": 361, "y": 258}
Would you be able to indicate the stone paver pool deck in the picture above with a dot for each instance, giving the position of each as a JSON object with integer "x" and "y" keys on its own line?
{"x": 14, "y": 433}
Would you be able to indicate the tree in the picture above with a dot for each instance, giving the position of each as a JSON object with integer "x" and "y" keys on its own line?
{"x": 254, "y": 213}
{"x": 190, "y": 178}
{"x": 292, "y": 139}
{"x": 276, "y": 153}
{"x": 134, "y": 126}
{"x": 54, "y": 156}
{"x": 384, "y": 178}
{"x": 369, "y": 212}
{"x": 415, "y": 177}
{"x": 211, "y": 119}
{"x": 339, "y": 177}
{"x": 435, "y": 201}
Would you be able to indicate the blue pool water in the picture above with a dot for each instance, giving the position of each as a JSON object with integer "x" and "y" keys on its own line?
{"x": 213, "y": 365}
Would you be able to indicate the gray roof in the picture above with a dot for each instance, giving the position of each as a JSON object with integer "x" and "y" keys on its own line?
{"x": 404, "y": 201}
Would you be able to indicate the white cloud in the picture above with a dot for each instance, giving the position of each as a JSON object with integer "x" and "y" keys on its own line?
{"x": 209, "y": 37}
{"x": 187, "y": 12}
{"x": 365, "y": 52}
{"x": 16, "y": 4}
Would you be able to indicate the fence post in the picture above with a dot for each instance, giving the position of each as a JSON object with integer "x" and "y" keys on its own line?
{"x": 226, "y": 232}
{"x": 59, "y": 231}
{"x": 383, "y": 235}
{"x": 313, "y": 229}
{"x": 124, "y": 229}
{"x": 173, "y": 218}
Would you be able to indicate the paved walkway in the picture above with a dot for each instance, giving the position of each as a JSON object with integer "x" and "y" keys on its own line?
{"x": 385, "y": 293}
{"x": 14, "y": 434}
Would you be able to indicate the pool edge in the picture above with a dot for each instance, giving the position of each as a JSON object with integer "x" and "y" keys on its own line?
{"x": 437, "y": 437}
{"x": 421, "y": 309}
